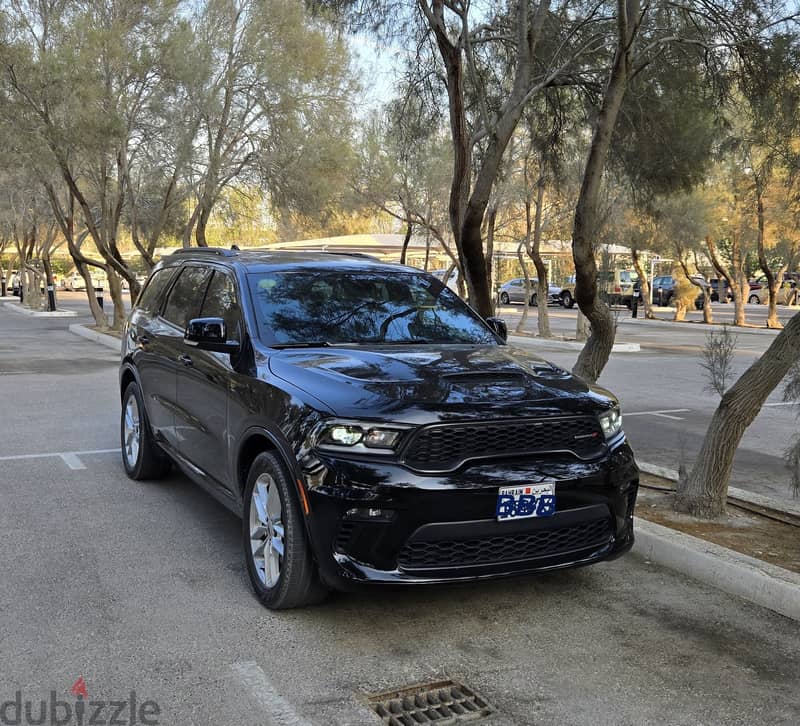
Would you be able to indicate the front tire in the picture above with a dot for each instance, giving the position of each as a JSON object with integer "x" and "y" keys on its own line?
{"x": 754, "y": 300}
{"x": 534, "y": 300}
{"x": 504, "y": 298}
{"x": 566, "y": 299}
{"x": 277, "y": 552}
{"x": 141, "y": 456}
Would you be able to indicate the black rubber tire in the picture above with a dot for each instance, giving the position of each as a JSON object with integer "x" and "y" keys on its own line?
{"x": 504, "y": 299}
{"x": 567, "y": 300}
{"x": 151, "y": 461}
{"x": 298, "y": 584}
{"x": 534, "y": 301}
{"x": 754, "y": 300}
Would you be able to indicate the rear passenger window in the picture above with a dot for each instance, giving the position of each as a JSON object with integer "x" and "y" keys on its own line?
{"x": 186, "y": 296}
{"x": 150, "y": 298}
{"x": 221, "y": 302}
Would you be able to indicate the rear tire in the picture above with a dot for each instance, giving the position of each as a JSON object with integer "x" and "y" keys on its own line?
{"x": 754, "y": 300}
{"x": 276, "y": 548}
{"x": 534, "y": 300}
{"x": 141, "y": 456}
{"x": 566, "y": 299}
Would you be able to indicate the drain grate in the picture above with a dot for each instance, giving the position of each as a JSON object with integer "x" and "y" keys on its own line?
{"x": 441, "y": 702}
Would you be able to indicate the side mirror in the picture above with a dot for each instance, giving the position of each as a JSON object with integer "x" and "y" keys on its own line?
{"x": 499, "y": 327}
{"x": 209, "y": 334}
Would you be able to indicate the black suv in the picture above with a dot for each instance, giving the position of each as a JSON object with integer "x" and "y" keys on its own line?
{"x": 367, "y": 425}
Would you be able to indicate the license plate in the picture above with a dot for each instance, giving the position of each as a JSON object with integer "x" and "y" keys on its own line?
{"x": 531, "y": 500}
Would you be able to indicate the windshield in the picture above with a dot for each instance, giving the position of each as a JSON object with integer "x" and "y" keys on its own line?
{"x": 335, "y": 307}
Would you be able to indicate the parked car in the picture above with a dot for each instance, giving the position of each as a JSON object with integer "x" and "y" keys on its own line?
{"x": 616, "y": 287}
{"x": 714, "y": 285}
{"x": 513, "y": 291}
{"x": 366, "y": 425}
{"x": 786, "y": 294}
{"x": 74, "y": 282}
{"x": 663, "y": 289}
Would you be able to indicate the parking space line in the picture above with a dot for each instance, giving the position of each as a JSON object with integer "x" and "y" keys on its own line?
{"x": 782, "y": 403}
{"x": 661, "y": 414}
{"x": 278, "y": 712}
{"x": 72, "y": 461}
{"x": 65, "y": 456}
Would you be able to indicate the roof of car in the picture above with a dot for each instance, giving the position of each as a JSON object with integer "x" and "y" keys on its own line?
{"x": 261, "y": 260}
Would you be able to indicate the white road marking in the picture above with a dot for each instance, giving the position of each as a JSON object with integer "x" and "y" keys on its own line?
{"x": 782, "y": 403}
{"x": 278, "y": 712}
{"x": 63, "y": 455}
{"x": 661, "y": 414}
{"x": 72, "y": 461}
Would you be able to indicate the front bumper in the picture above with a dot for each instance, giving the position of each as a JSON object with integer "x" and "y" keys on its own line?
{"x": 375, "y": 521}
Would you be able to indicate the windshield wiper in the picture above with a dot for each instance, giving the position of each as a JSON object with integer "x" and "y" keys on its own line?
{"x": 304, "y": 344}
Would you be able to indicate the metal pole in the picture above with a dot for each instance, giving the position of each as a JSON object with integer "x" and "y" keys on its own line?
{"x": 51, "y": 297}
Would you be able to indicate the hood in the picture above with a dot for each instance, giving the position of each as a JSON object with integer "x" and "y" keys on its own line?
{"x": 425, "y": 383}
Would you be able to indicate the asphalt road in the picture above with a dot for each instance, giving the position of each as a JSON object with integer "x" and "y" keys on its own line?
{"x": 141, "y": 587}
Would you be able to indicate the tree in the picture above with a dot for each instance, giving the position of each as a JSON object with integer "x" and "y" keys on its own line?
{"x": 703, "y": 492}
{"x": 270, "y": 87}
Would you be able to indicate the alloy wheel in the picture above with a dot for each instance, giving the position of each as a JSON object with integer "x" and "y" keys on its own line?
{"x": 266, "y": 530}
{"x": 132, "y": 431}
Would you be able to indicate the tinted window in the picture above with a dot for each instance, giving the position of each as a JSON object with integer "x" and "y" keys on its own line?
{"x": 150, "y": 297}
{"x": 221, "y": 302}
{"x": 186, "y": 296}
{"x": 362, "y": 307}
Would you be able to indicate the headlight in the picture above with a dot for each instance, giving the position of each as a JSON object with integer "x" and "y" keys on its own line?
{"x": 358, "y": 436}
{"x": 611, "y": 422}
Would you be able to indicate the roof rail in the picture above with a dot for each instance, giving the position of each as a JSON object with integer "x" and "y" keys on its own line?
{"x": 218, "y": 251}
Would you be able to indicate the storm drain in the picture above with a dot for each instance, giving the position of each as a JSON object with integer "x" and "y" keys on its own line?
{"x": 441, "y": 702}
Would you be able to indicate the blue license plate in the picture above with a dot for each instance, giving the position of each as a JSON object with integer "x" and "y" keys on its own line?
{"x": 522, "y": 502}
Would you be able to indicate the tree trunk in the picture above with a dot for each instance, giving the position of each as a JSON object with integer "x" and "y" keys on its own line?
{"x": 48, "y": 281}
{"x": 115, "y": 290}
{"x": 406, "y": 240}
{"x": 523, "y": 320}
{"x": 100, "y": 319}
{"x": 595, "y": 354}
{"x": 543, "y": 286}
{"x": 644, "y": 284}
{"x": 772, "y": 283}
{"x": 704, "y": 492}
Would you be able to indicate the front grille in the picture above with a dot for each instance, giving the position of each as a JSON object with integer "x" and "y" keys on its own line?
{"x": 421, "y": 554}
{"x": 443, "y": 447}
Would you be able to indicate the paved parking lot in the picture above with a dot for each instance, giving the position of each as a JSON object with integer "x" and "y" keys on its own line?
{"x": 141, "y": 587}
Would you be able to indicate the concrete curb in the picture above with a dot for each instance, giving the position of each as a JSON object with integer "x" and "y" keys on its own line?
{"x": 553, "y": 344}
{"x": 107, "y": 340}
{"x": 9, "y": 298}
{"x": 759, "y": 500}
{"x": 17, "y": 308}
{"x": 658, "y": 323}
{"x": 761, "y": 583}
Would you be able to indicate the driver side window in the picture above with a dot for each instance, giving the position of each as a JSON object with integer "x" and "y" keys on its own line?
{"x": 222, "y": 302}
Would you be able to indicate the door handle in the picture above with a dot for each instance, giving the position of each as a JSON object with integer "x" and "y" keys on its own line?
{"x": 143, "y": 339}
{"x": 185, "y": 359}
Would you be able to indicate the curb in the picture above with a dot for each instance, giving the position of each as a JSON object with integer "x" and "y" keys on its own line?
{"x": 766, "y": 585}
{"x": 9, "y": 298}
{"x": 107, "y": 340}
{"x": 568, "y": 344}
{"x": 17, "y": 308}
{"x": 658, "y": 323}
{"x": 759, "y": 500}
